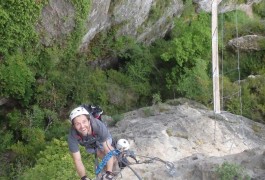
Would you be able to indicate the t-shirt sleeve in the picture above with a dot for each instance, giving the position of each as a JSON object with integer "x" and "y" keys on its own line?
{"x": 101, "y": 130}
{"x": 72, "y": 144}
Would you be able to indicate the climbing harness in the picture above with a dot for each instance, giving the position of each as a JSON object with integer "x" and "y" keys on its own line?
{"x": 122, "y": 159}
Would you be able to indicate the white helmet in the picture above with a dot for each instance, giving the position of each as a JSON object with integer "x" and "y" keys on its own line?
{"x": 123, "y": 145}
{"x": 77, "y": 112}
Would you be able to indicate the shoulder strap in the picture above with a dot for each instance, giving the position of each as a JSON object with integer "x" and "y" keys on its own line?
{"x": 93, "y": 133}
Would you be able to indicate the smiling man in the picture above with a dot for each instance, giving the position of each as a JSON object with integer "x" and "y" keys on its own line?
{"x": 94, "y": 136}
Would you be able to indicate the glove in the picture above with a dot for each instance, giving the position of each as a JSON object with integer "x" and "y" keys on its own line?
{"x": 84, "y": 178}
{"x": 108, "y": 176}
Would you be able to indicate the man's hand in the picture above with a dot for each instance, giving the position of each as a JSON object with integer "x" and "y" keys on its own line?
{"x": 85, "y": 178}
{"x": 108, "y": 176}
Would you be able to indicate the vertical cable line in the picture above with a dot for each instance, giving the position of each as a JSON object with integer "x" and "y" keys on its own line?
{"x": 239, "y": 75}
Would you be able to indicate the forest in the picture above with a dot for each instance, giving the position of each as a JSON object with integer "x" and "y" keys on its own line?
{"x": 41, "y": 84}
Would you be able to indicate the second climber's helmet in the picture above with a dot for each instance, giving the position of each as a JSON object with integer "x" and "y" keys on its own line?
{"x": 123, "y": 145}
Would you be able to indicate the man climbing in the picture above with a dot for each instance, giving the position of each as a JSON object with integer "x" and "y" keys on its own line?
{"x": 93, "y": 134}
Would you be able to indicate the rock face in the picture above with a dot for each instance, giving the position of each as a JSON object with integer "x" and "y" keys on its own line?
{"x": 193, "y": 138}
{"x": 133, "y": 17}
{"x": 248, "y": 43}
{"x": 146, "y": 20}
{"x": 57, "y": 21}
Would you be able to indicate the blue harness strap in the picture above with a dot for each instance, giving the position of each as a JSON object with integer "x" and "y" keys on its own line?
{"x": 105, "y": 160}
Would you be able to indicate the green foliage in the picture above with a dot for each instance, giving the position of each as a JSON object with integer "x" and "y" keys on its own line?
{"x": 55, "y": 162}
{"x": 252, "y": 26}
{"x": 52, "y": 94}
{"x": 47, "y": 60}
{"x": 191, "y": 44}
{"x": 196, "y": 84}
{"x": 148, "y": 111}
{"x": 6, "y": 139}
{"x": 122, "y": 91}
{"x": 229, "y": 92}
{"x": 91, "y": 88}
{"x": 16, "y": 78}
{"x": 37, "y": 117}
{"x": 139, "y": 63}
{"x": 253, "y": 98}
{"x": 57, "y": 65}
{"x": 156, "y": 98}
{"x": 156, "y": 11}
{"x": 14, "y": 119}
{"x": 116, "y": 118}
{"x": 109, "y": 44}
{"x": 238, "y": 23}
{"x": 189, "y": 9}
{"x": 229, "y": 171}
{"x": 34, "y": 140}
{"x": 261, "y": 43}
{"x": 17, "y": 24}
{"x": 57, "y": 129}
{"x": 251, "y": 63}
{"x": 82, "y": 8}
{"x": 231, "y": 22}
{"x": 259, "y": 8}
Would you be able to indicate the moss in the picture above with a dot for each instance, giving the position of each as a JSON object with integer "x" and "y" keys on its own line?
{"x": 106, "y": 43}
{"x": 148, "y": 112}
{"x": 256, "y": 128}
{"x": 156, "y": 11}
{"x": 169, "y": 132}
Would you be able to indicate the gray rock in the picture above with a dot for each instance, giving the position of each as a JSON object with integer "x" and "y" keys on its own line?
{"x": 192, "y": 139}
{"x": 248, "y": 43}
{"x": 57, "y": 21}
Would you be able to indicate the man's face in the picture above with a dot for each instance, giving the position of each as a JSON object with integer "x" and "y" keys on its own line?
{"x": 82, "y": 125}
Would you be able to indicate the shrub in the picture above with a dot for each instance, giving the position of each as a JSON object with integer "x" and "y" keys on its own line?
{"x": 156, "y": 99}
{"x": 196, "y": 84}
{"x": 33, "y": 142}
{"x": 259, "y": 8}
{"x": 253, "y": 98}
{"x": 148, "y": 111}
{"x": 17, "y": 24}
{"x": 16, "y": 78}
{"x": 230, "y": 171}
{"x": 55, "y": 162}
{"x": 6, "y": 139}
{"x": 188, "y": 50}
{"x": 116, "y": 118}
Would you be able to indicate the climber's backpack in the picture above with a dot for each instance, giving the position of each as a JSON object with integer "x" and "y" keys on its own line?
{"x": 95, "y": 111}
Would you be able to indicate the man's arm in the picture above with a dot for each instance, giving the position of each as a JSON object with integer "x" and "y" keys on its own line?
{"x": 80, "y": 168}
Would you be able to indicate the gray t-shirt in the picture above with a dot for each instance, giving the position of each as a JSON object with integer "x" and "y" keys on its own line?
{"x": 100, "y": 135}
